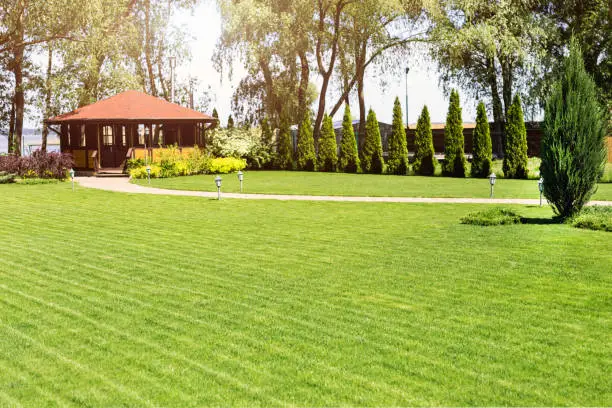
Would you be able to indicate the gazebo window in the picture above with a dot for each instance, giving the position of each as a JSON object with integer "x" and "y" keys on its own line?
{"x": 83, "y": 143}
{"x": 123, "y": 136}
{"x": 107, "y": 135}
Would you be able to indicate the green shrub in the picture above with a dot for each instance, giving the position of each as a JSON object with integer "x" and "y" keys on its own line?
{"x": 37, "y": 181}
{"x": 515, "y": 153}
{"x": 141, "y": 172}
{"x": 573, "y": 152}
{"x": 349, "y": 158}
{"x": 6, "y": 178}
{"x": 284, "y": 157}
{"x": 481, "y": 142}
{"x": 224, "y": 165}
{"x": 424, "y": 156}
{"x": 492, "y": 216}
{"x": 306, "y": 157}
{"x": 596, "y": 218}
{"x": 397, "y": 161}
{"x": 372, "y": 161}
{"x": 327, "y": 159}
{"x": 454, "y": 157}
{"x": 133, "y": 163}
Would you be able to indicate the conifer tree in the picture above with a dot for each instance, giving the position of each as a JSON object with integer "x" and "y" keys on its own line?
{"x": 327, "y": 159}
{"x": 215, "y": 114}
{"x": 515, "y": 154}
{"x": 349, "y": 158}
{"x": 424, "y": 156}
{"x": 454, "y": 158}
{"x": 306, "y": 157}
{"x": 573, "y": 151}
{"x": 397, "y": 161}
{"x": 481, "y": 144}
{"x": 266, "y": 132}
{"x": 284, "y": 159}
{"x": 372, "y": 161}
{"x": 230, "y": 122}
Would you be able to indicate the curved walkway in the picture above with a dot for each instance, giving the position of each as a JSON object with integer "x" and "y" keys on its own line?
{"x": 122, "y": 185}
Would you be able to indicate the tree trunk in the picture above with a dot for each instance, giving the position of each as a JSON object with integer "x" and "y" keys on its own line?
{"x": 45, "y": 127}
{"x": 360, "y": 74}
{"x": 507, "y": 80}
{"x": 11, "y": 134}
{"x": 89, "y": 93}
{"x": 148, "y": 52}
{"x": 304, "y": 80}
{"x": 19, "y": 99}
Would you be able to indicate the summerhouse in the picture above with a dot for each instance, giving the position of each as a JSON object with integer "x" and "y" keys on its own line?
{"x": 103, "y": 135}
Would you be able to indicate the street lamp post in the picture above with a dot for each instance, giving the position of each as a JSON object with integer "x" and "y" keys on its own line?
{"x": 218, "y": 183}
{"x": 240, "y": 178}
{"x": 492, "y": 179}
{"x": 172, "y": 66}
{"x": 407, "y": 69}
{"x": 541, "y": 188}
{"x": 148, "y": 174}
{"x": 72, "y": 178}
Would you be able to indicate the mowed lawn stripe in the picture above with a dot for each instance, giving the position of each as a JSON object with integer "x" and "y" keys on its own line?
{"x": 359, "y": 276}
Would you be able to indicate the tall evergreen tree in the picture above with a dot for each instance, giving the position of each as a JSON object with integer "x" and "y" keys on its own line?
{"x": 424, "y": 156}
{"x": 573, "y": 151}
{"x": 284, "y": 158}
{"x": 515, "y": 155}
{"x": 372, "y": 161}
{"x": 266, "y": 132}
{"x": 306, "y": 157}
{"x": 230, "y": 122}
{"x": 215, "y": 114}
{"x": 454, "y": 157}
{"x": 397, "y": 161}
{"x": 481, "y": 144}
{"x": 327, "y": 160}
{"x": 349, "y": 158}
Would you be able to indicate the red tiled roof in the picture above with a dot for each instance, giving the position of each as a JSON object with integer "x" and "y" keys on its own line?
{"x": 131, "y": 105}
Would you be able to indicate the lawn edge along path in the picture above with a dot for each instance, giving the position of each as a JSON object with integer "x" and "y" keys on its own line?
{"x": 123, "y": 185}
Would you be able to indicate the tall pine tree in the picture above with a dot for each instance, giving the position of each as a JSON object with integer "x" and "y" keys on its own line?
{"x": 349, "y": 158}
{"x": 515, "y": 155}
{"x": 372, "y": 161}
{"x": 230, "y": 122}
{"x": 215, "y": 114}
{"x": 327, "y": 160}
{"x": 454, "y": 157}
{"x": 266, "y": 133}
{"x": 573, "y": 151}
{"x": 424, "y": 156}
{"x": 397, "y": 161}
{"x": 284, "y": 158}
{"x": 306, "y": 157}
{"x": 481, "y": 144}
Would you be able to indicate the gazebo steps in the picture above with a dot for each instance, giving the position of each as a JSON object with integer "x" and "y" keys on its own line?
{"x": 111, "y": 173}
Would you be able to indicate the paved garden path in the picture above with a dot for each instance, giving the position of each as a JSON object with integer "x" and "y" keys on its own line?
{"x": 122, "y": 184}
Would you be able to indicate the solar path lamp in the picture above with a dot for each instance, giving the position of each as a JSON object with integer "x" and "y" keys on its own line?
{"x": 148, "y": 174}
{"x": 492, "y": 179}
{"x": 218, "y": 183}
{"x": 72, "y": 178}
{"x": 541, "y": 188}
{"x": 240, "y": 178}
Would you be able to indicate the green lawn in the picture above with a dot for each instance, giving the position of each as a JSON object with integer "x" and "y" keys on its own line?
{"x": 341, "y": 184}
{"x": 132, "y": 300}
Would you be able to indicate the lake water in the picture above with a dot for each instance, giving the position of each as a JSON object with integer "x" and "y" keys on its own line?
{"x": 31, "y": 142}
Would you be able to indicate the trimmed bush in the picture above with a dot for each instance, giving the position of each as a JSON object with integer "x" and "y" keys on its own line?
{"x": 328, "y": 156}
{"x": 481, "y": 142}
{"x": 492, "y": 216}
{"x": 572, "y": 151}
{"x": 349, "y": 158}
{"x": 224, "y": 165}
{"x": 454, "y": 157}
{"x": 424, "y": 156}
{"x": 284, "y": 157}
{"x": 39, "y": 165}
{"x": 372, "y": 161}
{"x": 595, "y": 218}
{"x": 306, "y": 157}
{"x": 515, "y": 154}
{"x": 397, "y": 161}
{"x": 7, "y": 178}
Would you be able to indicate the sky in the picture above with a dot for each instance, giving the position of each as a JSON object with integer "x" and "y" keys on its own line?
{"x": 423, "y": 86}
